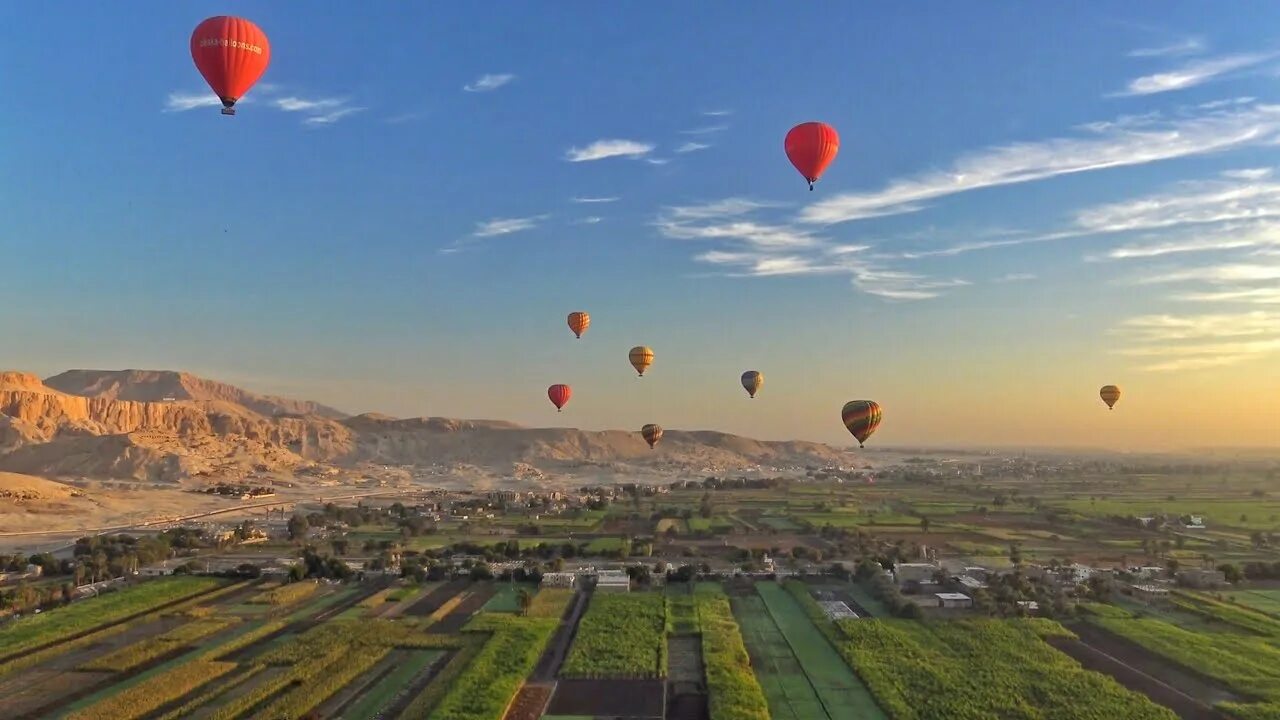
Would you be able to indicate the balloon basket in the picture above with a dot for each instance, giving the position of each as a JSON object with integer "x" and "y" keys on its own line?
{"x": 228, "y": 111}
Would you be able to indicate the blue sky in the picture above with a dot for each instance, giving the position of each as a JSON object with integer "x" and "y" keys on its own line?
{"x": 1029, "y": 201}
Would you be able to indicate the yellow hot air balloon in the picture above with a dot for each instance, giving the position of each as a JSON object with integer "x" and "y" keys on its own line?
{"x": 651, "y": 433}
{"x": 1109, "y": 394}
{"x": 752, "y": 381}
{"x": 641, "y": 358}
{"x": 579, "y": 322}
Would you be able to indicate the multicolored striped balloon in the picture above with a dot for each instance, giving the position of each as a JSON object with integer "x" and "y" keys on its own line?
{"x": 861, "y": 418}
{"x": 752, "y": 381}
{"x": 1110, "y": 394}
{"x": 651, "y": 434}
{"x": 579, "y": 322}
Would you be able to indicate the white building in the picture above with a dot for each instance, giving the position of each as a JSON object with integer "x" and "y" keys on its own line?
{"x": 914, "y": 572}
{"x": 559, "y": 579}
{"x": 837, "y": 610}
{"x": 953, "y": 600}
{"x": 613, "y": 581}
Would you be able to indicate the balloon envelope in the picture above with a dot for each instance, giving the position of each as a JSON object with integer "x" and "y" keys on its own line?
{"x": 752, "y": 381}
{"x": 1109, "y": 394}
{"x": 641, "y": 358}
{"x": 559, "y": 395}
{"x": 861, "y": 418}
{"x": 811, "y": 147}
{"x": 651, "y": 433}
{"x": 579, "y": 322}
{"x": 231, "y": 53}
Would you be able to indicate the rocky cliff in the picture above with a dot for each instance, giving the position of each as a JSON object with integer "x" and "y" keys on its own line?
{"x": 87, "y": 424}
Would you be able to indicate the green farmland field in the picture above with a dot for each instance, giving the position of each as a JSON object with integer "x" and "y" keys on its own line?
{"x": 788, "y": 691}
{"x": 839, "y": 692}
{"x": 1266, "y": 601}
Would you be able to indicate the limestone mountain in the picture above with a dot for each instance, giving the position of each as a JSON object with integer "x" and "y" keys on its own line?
{"x": 165, "y": 385}
{"x": 162, "y": 426}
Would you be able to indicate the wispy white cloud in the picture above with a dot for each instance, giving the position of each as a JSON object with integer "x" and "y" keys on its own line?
{"x": 1017, "y": 277}
{"x": 692, "y": 147}
{"x": 590, "y": 220}
{"x": 506, "y": 226}
{"x": 1256, "y": 296}
{"x": 1248, "y": 174}
{"x": 183, "y": 101}
{"x": 1228, "y": 237}
{"x": 594, "y": 199}
{"x": 709, "y": 129}
{"x": 318, "y": 111}
{"x": 601, "y": 149}
{"x": 1166, "y": 327}
{"x": 1188, "y": 342}
{"x": 753, "y": 248}
{"x": 717, "y": 113}
{"x": 488, "y": 83}
{"x": 1123, "y": 142}
{"x": 333, "y": 116}
{"x": 1193, "y": 73}
{"x": 315, "y": 111}
{"x": 1222, "y": 273}
{"x": 657, "y": 161}
{"x": 1186, "y": 46}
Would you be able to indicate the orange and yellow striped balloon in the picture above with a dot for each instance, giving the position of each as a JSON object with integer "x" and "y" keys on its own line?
{"x": 861, "y": 418}
{"x": 1109, "y": 394}
{"x": 641, "y": 358}
{"x": 579, "y": 322}
{"x": 651, "y": 433}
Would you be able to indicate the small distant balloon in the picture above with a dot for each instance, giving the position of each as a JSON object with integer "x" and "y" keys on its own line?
{"x": 651, "y": 433}
{"x": 811, "y": 147}
{"x": 861, "y": 418}
{"x": 752, "y": 381}
{"x": 641, "y": 358}
{"x": 559, "y": 395}
{"x": 232, "y": 54}
{"x": 579, "y": 322}
{"x": 1110, "y": 394}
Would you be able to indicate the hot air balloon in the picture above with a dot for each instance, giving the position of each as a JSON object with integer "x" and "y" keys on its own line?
{"x": 861, "y": 418}
{"x": 641, "y": 358}
{"x": 651, "y": 434}
{"x": 811, "y": 147}
{"x": 1110, "y": 394}
{"x": 579, "y": 322}
{"x": 231, "y": 53}
{"x": 559, "y": 395}
{"x": 752, "y": 380}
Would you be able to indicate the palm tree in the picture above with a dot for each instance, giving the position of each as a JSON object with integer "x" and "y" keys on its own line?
{"x": 524, "y": 599}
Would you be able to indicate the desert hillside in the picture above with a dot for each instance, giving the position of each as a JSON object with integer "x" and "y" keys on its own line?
{"x": 166, "y": 427}
{"x": 160, "y": 385}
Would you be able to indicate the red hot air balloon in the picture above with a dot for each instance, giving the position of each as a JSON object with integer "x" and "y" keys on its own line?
{"x": 811, "y": 147}
{"x": 231, "y": 53}
{"x": 559, "y": 395}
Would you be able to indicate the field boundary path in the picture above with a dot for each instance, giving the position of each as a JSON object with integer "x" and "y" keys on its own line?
{"x": 553, "y": 657}
{"x": 1133, "y": 666}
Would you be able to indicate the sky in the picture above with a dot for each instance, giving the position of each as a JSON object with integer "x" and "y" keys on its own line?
{"x": 1030, "y": 201}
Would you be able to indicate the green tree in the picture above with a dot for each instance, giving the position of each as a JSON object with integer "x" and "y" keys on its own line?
{"x": 524, "y": 599}
{"x": 704, "y": 508}
{"x": 297, "y": 527}
{"x": 924, "y": 525}
{"x": 1231, "y": 572}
